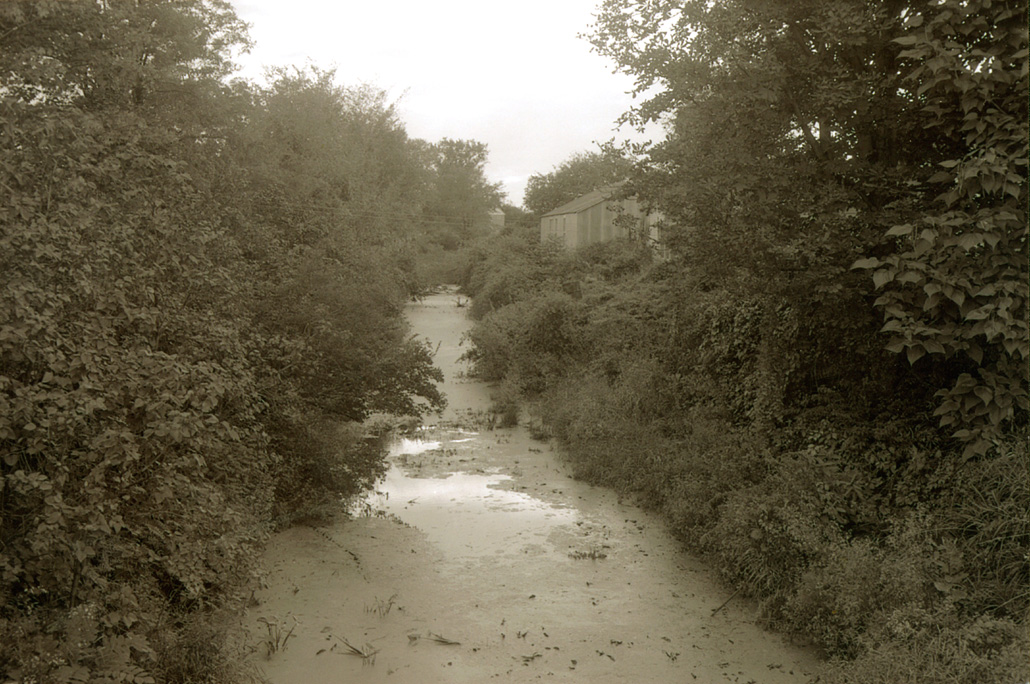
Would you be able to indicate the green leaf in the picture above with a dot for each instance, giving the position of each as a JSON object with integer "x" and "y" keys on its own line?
{"x": 979, "y": 314}
{"x": 900, "y": 230}
{"x": 914, "y": 353}
{"x": 883, "y": 276}
{"x": 896, "y": 346}
{"x": 988, "y": 290}
{"x": 985, "y": 394}
{"x": 975, "y": 353}
{"x": 970, "y": 241}
{"x": 871, "y": 262}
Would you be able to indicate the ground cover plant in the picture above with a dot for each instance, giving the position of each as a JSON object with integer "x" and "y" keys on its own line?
{"x": 822, "y": 379}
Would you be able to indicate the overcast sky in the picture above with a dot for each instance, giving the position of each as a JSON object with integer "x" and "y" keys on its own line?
{"x": 514, "y": 75}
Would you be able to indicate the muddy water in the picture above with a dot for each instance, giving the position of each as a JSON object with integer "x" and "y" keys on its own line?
{"x": 481, "y": 559}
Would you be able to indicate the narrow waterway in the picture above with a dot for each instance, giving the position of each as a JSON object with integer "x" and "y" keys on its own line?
{"x": 479, "y": 558}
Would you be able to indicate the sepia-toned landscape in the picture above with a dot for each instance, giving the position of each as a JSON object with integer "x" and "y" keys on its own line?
{"x": 291, "y": 394}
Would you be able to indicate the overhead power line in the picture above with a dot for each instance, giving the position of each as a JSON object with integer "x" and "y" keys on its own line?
{"x": 343, "y": 212}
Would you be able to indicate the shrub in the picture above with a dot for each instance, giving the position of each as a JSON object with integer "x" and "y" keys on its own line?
{"x": 505, "y": 404}
{"x": 180, "y": 298}
{"x": 857, "y": 584}
{"x": 767, "y": 535}
{"x": 202, "y": 648}
{"x": 938, "y": 646}
{"x": 988, "y": 512}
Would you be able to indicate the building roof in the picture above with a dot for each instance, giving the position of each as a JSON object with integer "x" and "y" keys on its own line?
{"x": 584, "y": 202}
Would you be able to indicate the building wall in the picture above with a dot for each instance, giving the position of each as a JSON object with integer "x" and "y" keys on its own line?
{"x": 563, "y": 227}
{"x": 594, "y": 224}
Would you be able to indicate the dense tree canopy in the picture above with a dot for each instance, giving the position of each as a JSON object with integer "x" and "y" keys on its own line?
{"x": 807, "y": 137}
{"x": 575, "y": 176}
{"x": 460, "y": 196}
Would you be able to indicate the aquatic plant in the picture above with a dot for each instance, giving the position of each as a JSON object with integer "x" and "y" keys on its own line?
{"x": 278, "y": 634}
{"x": 380, "y": 607}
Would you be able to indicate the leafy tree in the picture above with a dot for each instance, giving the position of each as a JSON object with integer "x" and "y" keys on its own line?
{"x": 518, "y": 220}
{"x": 158, "y": 55}
{"x": 342, "y": 151}
{"x": 742, "y": 385}
{"x": 958, "y": 285}
{"x": 800, "y": 134}
{"x": 774, "y": 172}
{"x": 132, "y": 456}
{"x": 461, "y": 196}
{"x": 578, "y": 175}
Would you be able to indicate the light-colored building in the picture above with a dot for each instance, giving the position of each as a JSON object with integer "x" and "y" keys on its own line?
{"x": 597, "y": 217}
{"x": 496, "y": 220}
{"x": 490, "y": 222}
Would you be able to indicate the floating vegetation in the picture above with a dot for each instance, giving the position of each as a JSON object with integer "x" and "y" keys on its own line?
{"x": 436, "y": 638}
{"x": 367, "y": 653}
{"x": 442, "y": 640}
{"x": 592, "y": 554}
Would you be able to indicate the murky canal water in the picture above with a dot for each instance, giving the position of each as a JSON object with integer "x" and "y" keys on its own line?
{"x": 466, "y": 515}
{"x": 482, "y": 560}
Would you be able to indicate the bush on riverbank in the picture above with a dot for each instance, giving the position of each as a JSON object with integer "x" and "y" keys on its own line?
{"x": 825, "y": 492}
{"x": 192, "y": 304}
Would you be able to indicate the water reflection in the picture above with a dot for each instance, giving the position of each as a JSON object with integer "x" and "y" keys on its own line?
{"x": 413, "y": 447}
{"x": 465, "y": 514}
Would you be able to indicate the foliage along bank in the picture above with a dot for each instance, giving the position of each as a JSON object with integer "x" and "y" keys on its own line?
{"x": 850, "y": 450}
{"x": 202, "y": 291}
